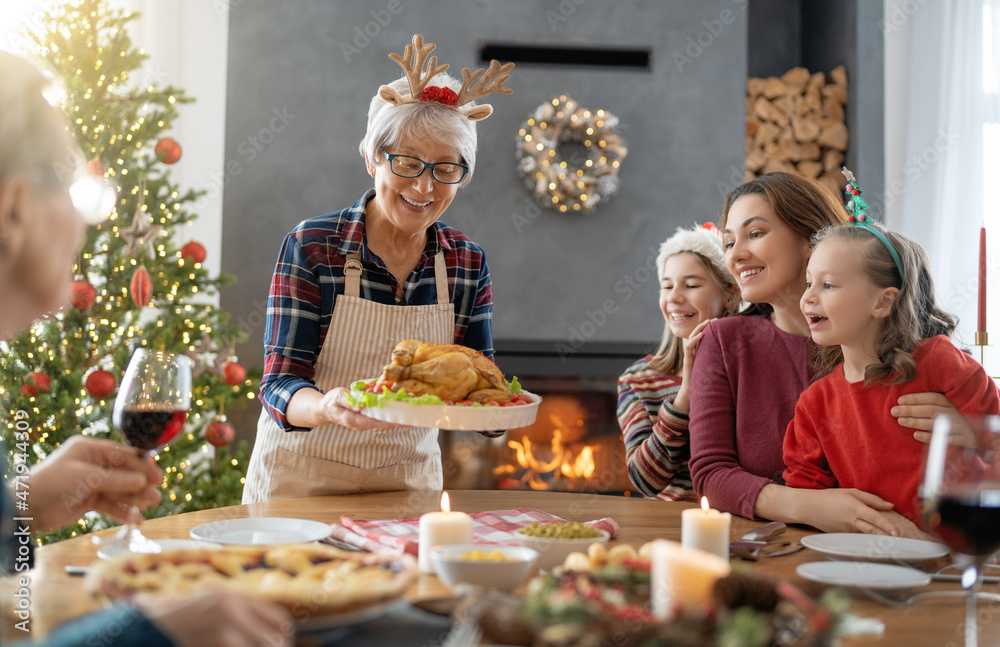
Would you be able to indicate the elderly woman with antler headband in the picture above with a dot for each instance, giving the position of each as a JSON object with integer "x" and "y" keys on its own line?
{"x": 351, "y": 284}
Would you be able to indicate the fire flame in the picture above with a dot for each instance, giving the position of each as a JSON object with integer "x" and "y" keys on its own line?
{"x": 536, "y": 469}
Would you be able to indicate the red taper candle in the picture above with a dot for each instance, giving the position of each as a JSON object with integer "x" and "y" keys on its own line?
{"x": 982, "y": 280}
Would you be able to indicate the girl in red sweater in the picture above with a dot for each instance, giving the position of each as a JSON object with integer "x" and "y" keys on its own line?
{"x": 870, "y": 304}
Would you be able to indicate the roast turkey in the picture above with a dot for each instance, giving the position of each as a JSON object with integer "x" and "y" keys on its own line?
{"x": 449, "y": 371}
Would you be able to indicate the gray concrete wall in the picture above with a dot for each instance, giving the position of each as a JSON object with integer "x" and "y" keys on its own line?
{"x": 300, "y": 78}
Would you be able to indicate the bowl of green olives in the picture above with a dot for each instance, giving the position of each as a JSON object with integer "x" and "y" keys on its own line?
{"x": 554, "y": 541}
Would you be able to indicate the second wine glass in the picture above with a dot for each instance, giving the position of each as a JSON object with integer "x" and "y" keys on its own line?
{"x": 961, "y": 497}
{"x": 150, "y": 410}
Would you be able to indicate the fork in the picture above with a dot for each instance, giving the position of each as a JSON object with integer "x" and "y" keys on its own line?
{"x": 463, "y": 634}
{"x": 898, "y": 603}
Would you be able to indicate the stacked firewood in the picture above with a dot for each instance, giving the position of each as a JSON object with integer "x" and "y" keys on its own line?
{"x": 795, "y": 124}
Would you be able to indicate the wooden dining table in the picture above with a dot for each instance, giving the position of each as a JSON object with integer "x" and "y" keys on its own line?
{"x": 57, "y": 596}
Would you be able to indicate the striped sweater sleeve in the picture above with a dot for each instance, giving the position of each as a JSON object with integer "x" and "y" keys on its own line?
{"x": 655, "y": 434}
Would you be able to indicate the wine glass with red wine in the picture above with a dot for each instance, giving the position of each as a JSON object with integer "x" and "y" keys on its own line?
{"x": 152, "y": 404}
{"x": 960, "y": 494}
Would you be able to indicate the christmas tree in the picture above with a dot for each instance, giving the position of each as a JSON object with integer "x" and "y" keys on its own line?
{"x": 135, "y": 285}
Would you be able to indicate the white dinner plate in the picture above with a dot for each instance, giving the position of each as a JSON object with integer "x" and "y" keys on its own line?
{"x": 261, "y": 530}
{"x": 879, "y": 548}
{"x": 110, "y": 551}
{"x": 869, "y": 575}
{"x": 456, "y": 417}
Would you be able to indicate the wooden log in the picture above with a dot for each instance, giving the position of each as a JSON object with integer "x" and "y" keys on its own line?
{"x": 832, "y": 160}
{"x": 795, "y": 79}
{"x": 755, "y": 87}
{"x": 778, "y": 166}
{"x": 801, "y": 108}
{"x": 806, "y": 130}
{"x": 809, "y": 168}
{"x": 809, "y": 151}
{"x": 813, "y": 98}
{"x": 785, "y": 103}
{"x": 766, "y": 111}
{"x": 835, "y": 92}
{"x": 832, "y": 109}
{"x": 816, "y": 81}
{"x": 774, "y": 87}
{"x": 835, "y": 136}
{"x": 839, "y": 75}
{"x": 788, "y": 147}
{"x": 766, "y": 132}
{"x": 752, "y": 125}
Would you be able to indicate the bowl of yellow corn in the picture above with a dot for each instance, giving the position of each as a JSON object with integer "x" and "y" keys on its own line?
{"x": 491, "y": 565}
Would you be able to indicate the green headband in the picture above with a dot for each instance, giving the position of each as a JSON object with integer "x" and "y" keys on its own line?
{"x": 856, "y": 206}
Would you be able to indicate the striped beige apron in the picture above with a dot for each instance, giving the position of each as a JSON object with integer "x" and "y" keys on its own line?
{"x": 333, "y": 459}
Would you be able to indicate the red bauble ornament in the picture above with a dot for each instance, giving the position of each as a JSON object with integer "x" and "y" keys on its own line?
{"x": 219, "y": 432}
{"x": 35, "y": 383}
{"x": 100, "y": 384}
{"x": 167, "y": 150}
{"x": 234, "y": 373}
{"x": 194, "y": 250}
{"x": 140, "y": 288}
{"x": 82, "y": 294}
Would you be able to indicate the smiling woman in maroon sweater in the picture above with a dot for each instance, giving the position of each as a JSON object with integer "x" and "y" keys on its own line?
{"x": 750, "y": 370}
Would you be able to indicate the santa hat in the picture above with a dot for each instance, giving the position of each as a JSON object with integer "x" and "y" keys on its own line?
{"x": 704, "y": 240}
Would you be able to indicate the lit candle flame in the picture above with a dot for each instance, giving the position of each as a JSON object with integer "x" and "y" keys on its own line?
{"x": 445, "y": 502}
{"x": 704, "y": 503}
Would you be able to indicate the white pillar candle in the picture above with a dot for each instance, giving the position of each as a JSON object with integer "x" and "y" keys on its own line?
{"x": 681, "y": 579}
{"x": 706, "y": 529}
{"x": 441, "y": 529}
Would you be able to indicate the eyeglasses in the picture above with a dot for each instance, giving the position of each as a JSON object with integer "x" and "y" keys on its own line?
{"x": 443, "y": 172}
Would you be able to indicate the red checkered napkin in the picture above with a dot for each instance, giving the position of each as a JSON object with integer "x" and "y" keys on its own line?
{"x": 403, "y": 535}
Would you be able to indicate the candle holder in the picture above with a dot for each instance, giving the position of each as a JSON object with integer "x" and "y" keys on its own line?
{"x": 982, "y": 340}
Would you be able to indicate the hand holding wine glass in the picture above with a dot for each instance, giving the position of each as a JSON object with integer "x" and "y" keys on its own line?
{"x": 961, "y": 496}
{"x": 151, "y": 407}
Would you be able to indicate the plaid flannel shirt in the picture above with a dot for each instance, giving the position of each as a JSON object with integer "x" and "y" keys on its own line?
{"x": 309, "y": 276}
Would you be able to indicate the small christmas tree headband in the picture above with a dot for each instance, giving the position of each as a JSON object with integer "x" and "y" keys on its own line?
{"x": 474, "y": 84}
{"x": 856, "y": 206}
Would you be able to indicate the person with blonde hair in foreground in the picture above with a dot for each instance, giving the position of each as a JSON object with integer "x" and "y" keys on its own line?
{"x": 40, "y": 233}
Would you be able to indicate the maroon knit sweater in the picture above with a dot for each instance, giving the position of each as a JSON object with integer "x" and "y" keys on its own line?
{"x": 748, "y": 375}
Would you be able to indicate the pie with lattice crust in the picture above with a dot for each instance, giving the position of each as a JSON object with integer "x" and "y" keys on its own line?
{"x": 307, "y": 579}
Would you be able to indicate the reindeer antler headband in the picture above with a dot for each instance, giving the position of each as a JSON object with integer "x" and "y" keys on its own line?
{"x": 856, "y": 206}
{"x": 474, "y": 84}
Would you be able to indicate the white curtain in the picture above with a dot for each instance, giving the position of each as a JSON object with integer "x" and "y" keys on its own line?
{"x": 936, "y": 113}
{"x": 187, "y": 42}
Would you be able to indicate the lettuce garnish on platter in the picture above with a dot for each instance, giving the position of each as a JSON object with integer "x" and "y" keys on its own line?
{"x": 360, "y": 395}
